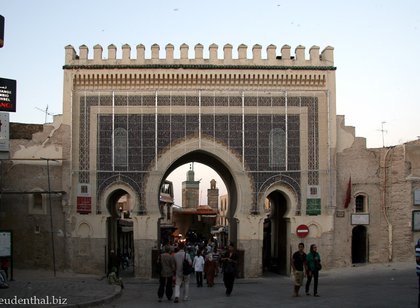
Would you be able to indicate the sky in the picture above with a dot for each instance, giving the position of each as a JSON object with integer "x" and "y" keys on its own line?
{"x": 376, "y": 47}
{"x": 202, "y": 173}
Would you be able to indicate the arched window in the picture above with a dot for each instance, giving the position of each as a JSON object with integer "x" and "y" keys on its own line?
{"x": 277, "y": 148}
{"x": 361, "y": 204}
{"x": 120, "y": 147}
{"x": 37, "y": 203}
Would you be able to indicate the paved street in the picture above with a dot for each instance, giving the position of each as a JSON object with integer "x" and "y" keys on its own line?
{"x": 373, "y": 285}
{"x": 377, "y": 285}
{"x": 39, "y": 288}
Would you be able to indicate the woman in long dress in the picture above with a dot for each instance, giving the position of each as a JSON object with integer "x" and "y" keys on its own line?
{"x": 210, "y": 268}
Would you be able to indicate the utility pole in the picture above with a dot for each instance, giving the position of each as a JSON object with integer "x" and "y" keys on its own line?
{"x": 382, "y": 130}
{"x": 51, "y": 216}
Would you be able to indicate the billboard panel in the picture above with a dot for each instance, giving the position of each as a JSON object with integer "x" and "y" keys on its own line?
{"x": 7, "y": 95}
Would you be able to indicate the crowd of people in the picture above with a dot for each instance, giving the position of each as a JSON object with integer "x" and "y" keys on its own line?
{"x": 306, "y": 264}
{"x": 207, "y": 262}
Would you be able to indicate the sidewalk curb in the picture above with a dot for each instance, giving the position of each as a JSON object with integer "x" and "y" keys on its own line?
{"x": 117, "y": 293}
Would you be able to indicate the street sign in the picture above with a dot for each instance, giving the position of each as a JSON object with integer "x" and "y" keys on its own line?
{"x": 302, "y": 231}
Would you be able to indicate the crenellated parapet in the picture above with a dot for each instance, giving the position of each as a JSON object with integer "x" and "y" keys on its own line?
{"x": 239, "y": 69}
{"x": 273, "y": 58}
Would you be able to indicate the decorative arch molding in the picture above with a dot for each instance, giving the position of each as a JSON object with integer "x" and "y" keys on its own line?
{"x": 360, "y": 193}
{"x": 278, "y": 183}
{"x": 215, "y": 155}
{"x": 365, "y": 198}
{"x": 315, "y": 229}
{"x": 84, "y": 230}
{"x": 120, "y": 182}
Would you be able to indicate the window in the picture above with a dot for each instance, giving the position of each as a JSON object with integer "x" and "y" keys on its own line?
{"x": 166, "y": 188}
{"x": 277, "y": 148}
{"x": 37, "y": 203}
{"x": 361, "y": 204}
{"x": 84, "y": 189}
{"x": 120, "y": 147}
{"x": 314, "y": 191}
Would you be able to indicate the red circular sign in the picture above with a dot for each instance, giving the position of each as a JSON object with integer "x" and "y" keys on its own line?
{"x": 302, "y": 231}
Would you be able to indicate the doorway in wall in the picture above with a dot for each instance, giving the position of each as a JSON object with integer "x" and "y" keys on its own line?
{"x": 359, "y": 245}
{"x": 275, "y": 234}
{"x": 120, "y": 232}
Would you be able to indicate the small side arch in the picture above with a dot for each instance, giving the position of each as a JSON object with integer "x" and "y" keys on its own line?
{"x": 84, "y": 230}
{"x": 116, "y": 190}
{"x": 289, "y": 194}
{"x": 282, "y": 201}
{"x": 315, "y": 229}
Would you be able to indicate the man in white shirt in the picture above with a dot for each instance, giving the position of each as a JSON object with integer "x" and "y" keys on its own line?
{"x": 180, "y": 277}
{"x": 198, "y": 265}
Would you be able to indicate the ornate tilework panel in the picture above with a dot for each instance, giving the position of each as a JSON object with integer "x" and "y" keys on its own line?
{"x": 149, "y": 133}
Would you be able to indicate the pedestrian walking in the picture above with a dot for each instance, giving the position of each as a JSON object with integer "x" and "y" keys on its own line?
{"x": 167, "y": 269}
{"x": 230, "y": 260}
{"x": 198, "y": 265}
{"x": 418, "y": 268}
{"x": 313, "y": 266}
{"x": 298, "y": 267}
{"x": 210, "y": 268}
{"x": 181, "y": 279}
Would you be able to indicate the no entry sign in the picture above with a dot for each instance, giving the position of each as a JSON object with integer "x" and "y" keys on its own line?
{"x": 302, "y": 230}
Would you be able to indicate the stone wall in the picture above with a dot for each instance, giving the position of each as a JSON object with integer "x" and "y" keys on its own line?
{"x": 24, "y": 131}
{"x": 25, "y": 176}
{"x": 32, "y": 241}
{"x": 382, "y": 175}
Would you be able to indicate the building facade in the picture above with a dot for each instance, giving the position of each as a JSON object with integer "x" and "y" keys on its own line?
{"x": 267, "y": 125}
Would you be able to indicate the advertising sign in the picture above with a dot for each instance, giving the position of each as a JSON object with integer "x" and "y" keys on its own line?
{"x": 7, "y": 95}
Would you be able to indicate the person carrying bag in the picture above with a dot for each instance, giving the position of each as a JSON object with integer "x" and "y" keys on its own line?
{"x": 182, "y": 275}
{"x": 186, "y": 266}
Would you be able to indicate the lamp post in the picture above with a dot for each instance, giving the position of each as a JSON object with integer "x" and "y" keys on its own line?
{"x": 50, "y": 209}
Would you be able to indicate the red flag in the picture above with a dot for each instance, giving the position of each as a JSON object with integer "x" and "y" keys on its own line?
{"x": 348, "y": 194}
